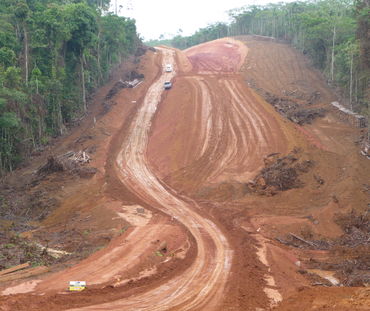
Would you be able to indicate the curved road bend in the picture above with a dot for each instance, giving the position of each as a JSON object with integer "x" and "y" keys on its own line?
{"x": 202, "y": 284}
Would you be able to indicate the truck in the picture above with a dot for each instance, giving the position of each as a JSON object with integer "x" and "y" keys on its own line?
{"x": 167, "y": 85}
{"x": 169, "y": 68}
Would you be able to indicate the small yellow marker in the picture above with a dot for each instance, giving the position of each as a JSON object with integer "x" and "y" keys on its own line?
{"x": 77, "y": 286}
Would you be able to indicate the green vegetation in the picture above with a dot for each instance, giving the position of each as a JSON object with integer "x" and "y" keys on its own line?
{"x": 333, "y": 33}
{"x": 9, "y": 245}
{"x": 53, "y": 55}
{"x": 15, "y": 250}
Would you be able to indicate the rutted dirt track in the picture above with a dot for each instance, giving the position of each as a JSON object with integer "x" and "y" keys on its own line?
{"x": 184, "y": 157}
{"x": 202, "y": 284}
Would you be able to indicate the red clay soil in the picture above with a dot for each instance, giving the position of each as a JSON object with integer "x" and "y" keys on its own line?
{"x": 171, "y": 197}
{"x": 219, "y": 56}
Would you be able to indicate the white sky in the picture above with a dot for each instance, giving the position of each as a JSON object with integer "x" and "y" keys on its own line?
{"x": 156, "y": 17}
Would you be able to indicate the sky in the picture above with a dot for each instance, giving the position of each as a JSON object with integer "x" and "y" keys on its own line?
{"x": 167, "y": 17}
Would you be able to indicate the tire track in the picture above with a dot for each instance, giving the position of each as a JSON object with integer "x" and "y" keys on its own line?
{"x": 202, "y": 284}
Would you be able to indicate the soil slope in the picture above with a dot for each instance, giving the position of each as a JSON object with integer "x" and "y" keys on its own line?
{"x": 188, "y": 225}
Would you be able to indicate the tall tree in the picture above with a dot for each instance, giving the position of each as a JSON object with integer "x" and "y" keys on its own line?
{"x": 53, "y": 54}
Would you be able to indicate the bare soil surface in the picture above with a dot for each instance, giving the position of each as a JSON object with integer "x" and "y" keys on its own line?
{"x": 208, "y": 196}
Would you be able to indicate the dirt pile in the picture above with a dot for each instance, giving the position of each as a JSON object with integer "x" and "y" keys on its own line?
{"x": 72, "y": 162}
{"x": 121, "y": 85}
{"x": 309, "y": 97}
{"x": 280, "y": 173}
{"x": 133, "y": 74}
{"x": 298, "y": 113}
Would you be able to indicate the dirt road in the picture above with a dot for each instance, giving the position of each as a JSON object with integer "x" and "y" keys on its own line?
{"x": 183, "y": 157}
{"x": 228, "y": 136}
{"x": 203, "y": 283}
{"x": 232, "y": 138}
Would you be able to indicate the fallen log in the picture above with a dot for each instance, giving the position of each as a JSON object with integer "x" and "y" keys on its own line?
{"x": 66, "y": 155}
{"x": 15, "y": 268}
{"x": 302, "y": 240}
{"x": 24, "y": 273}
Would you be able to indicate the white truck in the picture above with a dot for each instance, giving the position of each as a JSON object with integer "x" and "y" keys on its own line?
{"x": 168, "y": 68}
{"x": 167, "y": 85}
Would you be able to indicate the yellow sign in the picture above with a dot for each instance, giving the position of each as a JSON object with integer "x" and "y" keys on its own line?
{"x": 77, "y": 286}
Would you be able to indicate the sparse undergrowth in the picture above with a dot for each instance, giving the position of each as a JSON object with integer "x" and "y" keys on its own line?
{"x": 15, "y": 250}
{"x": 350, "y": 253}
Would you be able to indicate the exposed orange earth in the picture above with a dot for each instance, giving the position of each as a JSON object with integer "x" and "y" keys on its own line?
{"x": 172, "y": 169}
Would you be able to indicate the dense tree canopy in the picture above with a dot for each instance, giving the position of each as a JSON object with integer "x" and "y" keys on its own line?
{"x": 53, "y": 53}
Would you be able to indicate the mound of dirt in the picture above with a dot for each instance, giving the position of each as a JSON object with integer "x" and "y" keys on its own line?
{"x": 354, "y": 220}
{"x": 280, "y": 173}
{"x": 131, "y": 83}
{"x": 132, "y": 75}
{"x": 115, "y": 89}
{"x": 290, "y": 109}
{"x": 71, "y": 162}
{"x": 52, "y": 165}
{"x": 306, "y": 116}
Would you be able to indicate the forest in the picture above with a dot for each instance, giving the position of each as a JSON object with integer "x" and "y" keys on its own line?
{"x": 53, "y": 55}
{"x": 334, "y": 34}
